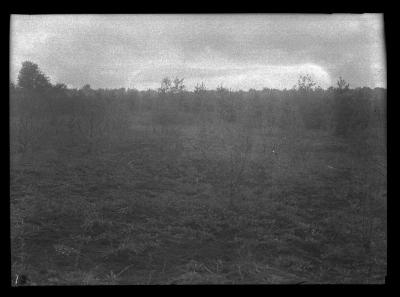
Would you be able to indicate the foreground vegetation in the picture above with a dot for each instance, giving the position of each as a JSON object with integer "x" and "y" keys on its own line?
{"x": 177, "y": 187}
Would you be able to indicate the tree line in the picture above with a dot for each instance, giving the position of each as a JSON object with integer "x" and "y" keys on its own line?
{"x": 96, "y": 113}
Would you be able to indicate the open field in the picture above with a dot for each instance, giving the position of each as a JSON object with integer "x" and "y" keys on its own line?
{"x": 198, "y": 149}
{"x": 211, "y": 202}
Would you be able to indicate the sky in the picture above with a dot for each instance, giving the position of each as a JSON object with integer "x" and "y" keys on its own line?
{"x": 238, "y": 51}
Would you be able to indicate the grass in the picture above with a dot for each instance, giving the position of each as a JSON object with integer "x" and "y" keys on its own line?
{"x": 158, "y": 207}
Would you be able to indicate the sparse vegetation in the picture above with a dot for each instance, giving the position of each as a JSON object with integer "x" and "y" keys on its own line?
{"x": 211, "y": 186}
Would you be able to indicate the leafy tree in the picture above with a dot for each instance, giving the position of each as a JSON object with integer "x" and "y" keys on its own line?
{"x": 305, "y": 83}
{"x": 87, "y": 91}
{"x": 178, "y": 86}
{"x": 31, "y": 78}
{"x": 60, "y": 86}
{"x": 309, "y": 102}
{"x": 166, "y": 85}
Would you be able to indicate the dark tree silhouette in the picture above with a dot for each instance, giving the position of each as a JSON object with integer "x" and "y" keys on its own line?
{"x": 31, "y": 78}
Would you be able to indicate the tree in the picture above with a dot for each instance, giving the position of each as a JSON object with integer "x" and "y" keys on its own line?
{"x": 343, "y": 108}
{"x": 309, "y": 105}
{"x": 60, "y": 86}
{"x": 31, "y": 78}
{"x": 305, "y": 83}
{"x": 165, "y": 85}
{"x": 87, "y": 91}
{"x": 200, "y": 88}
{"x": 178, "y": 86}
{"x": 342, "y": 85}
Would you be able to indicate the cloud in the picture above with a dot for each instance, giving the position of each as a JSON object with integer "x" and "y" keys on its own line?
{"x": 243, "y": 51}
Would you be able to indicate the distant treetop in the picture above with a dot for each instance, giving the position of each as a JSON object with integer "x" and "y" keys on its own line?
{"x": 32, "y": 78}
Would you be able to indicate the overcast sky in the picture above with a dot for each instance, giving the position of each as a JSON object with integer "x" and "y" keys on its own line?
{"x": 237, "y": 51}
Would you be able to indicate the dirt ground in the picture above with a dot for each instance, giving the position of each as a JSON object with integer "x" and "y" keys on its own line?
{"x": 199, "y": 205}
